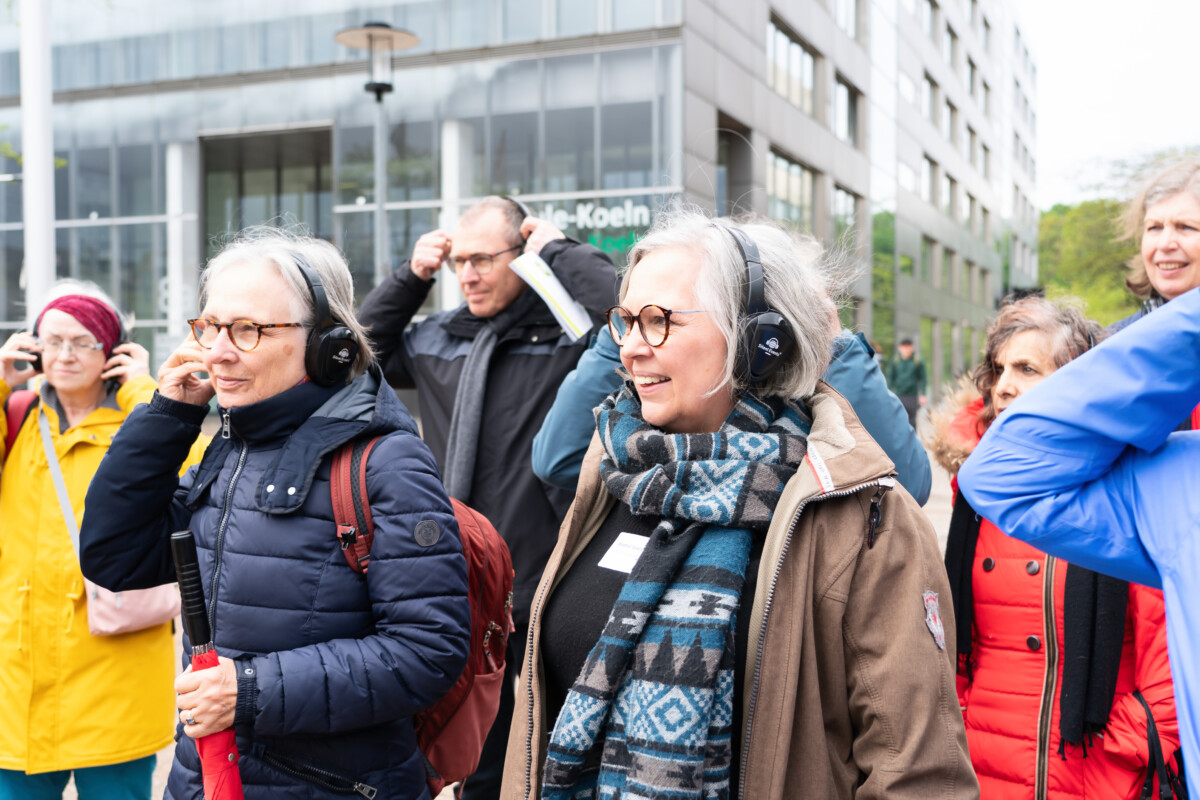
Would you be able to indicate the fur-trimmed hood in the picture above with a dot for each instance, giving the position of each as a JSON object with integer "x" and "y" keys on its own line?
{"x": 956, "y": 427}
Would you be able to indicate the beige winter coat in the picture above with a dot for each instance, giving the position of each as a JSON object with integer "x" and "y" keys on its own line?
{"x": 849, "y": 692}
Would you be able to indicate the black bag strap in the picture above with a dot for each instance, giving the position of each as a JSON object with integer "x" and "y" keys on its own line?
{"x": 1169, "y": 784}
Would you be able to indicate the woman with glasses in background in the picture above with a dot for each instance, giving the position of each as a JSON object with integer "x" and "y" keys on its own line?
{"x": 71, "y": 701}
{"x": 742, "y": 602}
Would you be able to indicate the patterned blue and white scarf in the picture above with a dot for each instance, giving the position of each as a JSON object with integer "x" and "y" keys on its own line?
{"x": 651, "y": 713}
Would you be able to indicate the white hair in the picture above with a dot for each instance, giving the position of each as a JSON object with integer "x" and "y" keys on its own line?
{"x": 285, "y": 248}
{"x": 800, "y": 281}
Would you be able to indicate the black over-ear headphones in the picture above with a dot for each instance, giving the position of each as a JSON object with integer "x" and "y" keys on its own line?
{"x": 332, "y": 347}
{"x": 765, "y": 338}
{"x": 525, "y": 210}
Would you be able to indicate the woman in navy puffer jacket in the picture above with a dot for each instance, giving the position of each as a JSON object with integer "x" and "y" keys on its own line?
{"x": 322, "y": 668}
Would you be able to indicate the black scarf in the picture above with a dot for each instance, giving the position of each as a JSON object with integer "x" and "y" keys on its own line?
{"x": 1093, "y": 625}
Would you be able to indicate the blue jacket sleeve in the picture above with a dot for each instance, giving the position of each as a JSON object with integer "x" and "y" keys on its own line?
{"x": 856, "y": 376}
{"x": 566, "y": 432}
{"x": 1085, "y": 465}
{"x": 418, "y": 594}
{"x": 135, "y": 500}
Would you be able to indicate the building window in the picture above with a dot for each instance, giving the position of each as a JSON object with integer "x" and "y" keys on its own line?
{"x": 950, "y": 48}
{"x": 791, "y": 68}
{"x": 985, "y": 223}
{"x": 987, "y": 36}
{"x": 968, "y": 213}
{"x": 974, "y": 13}
{"x": 928, "y": 255}
{"x": 987, "y": 99}
{"x": 790, "y": 191}
{"x": 845, "y": 14}
{"x": 908, "y": 89}
{"x": 928, "y": 176}
{"x": 947, "y": 198}
{"x": 972, "y": 76}
{"x": 986, "y": 154}
{"x": 950, "y": 122}
{"x": 929, "y": 18}
{"x": 929, "y": 99}
{"x": 845, "y": 215}
{"x": 946, "y": 275}
{"x": 845, "y": 109}
{"x": 972, "y": 147}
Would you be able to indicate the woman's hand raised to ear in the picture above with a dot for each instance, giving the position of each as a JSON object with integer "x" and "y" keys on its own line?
{"x": 177, "y": 378}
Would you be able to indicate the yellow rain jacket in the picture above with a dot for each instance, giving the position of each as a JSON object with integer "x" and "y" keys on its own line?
{"x": 69, "y": 699}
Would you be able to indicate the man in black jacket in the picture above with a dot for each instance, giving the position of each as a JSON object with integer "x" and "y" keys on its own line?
{"x": 486, "y": 375}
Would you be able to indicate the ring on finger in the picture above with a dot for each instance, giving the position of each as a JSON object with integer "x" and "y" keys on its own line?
{"x": 189, "y": 719}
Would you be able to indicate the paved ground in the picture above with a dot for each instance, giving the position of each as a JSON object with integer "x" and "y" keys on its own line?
{"x": 938, "y": 509}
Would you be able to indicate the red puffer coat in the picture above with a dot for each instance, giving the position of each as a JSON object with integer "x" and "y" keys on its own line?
{"x": 1011, "y": 701}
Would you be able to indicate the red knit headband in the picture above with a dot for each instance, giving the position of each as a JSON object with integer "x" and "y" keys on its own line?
{"x": 95, "y": 315}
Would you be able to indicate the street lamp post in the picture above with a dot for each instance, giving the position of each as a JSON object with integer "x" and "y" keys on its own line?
{"x": 380, "y": 40}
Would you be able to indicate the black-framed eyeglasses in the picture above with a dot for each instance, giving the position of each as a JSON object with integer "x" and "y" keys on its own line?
{"x": 653, "y": 321}
{"x": 482, "y": 262}
{"x": 244, "y": 334}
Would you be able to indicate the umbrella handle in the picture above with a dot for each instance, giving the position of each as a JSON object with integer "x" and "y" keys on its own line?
{"x": 191, "y": 589}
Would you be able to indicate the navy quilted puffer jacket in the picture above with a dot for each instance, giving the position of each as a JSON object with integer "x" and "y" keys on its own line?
{"x": 331, "y": 665}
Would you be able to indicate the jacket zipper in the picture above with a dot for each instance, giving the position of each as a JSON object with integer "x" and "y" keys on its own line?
{"x": 882, "y": 484}
{"x": 1050, "y": 627}
{"x": 216, "y": 571}
{"x": 316, "y": 775}
{"x": 225, "y": 425}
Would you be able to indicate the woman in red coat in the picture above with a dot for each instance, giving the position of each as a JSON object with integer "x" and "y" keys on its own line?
{"x": 1050, "y": 655}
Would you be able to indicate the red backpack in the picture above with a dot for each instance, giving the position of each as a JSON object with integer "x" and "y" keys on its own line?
{"x": 451, "y": 732}
{"x": 16, "y": 411}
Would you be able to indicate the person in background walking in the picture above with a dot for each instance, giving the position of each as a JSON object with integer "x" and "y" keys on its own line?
{"x": 71, "y": 702}
{"x": 1050, "y": 654}
{"x": 906, "y": 378}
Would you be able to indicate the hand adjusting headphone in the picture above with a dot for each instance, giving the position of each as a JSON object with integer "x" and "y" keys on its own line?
{"x": 331, "y": 347}
{"x": 765, "y": 338}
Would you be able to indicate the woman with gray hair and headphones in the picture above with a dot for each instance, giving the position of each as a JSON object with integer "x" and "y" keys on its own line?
{"x": 323, "y": 667}
{"x": 742, "y": 603}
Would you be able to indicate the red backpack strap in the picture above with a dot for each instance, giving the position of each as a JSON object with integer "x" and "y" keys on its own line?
{"x": 16, "y": 411}
{"x": 351, "y": 506}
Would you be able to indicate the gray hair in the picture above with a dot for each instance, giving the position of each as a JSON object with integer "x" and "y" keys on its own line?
{"x": 513, "y": 215}
{"x": 799, "y": 277}
{"x": 66, "y": 286}
{"x": 285, "y": 248}
{"x": 1176, "y": 179}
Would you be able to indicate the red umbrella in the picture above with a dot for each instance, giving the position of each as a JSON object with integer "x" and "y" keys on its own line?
{"x": 218, "y": 751}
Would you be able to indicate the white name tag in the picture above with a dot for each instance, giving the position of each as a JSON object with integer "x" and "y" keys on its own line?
{"x": 624, "y": 553}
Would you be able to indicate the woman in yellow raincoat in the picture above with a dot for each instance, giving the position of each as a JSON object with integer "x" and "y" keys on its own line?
{"x": 100, "y": 706}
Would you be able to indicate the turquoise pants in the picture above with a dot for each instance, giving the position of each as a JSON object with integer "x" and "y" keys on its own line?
{"x": 129, "y": 780}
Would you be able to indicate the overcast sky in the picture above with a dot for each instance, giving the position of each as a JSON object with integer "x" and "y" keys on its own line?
{"x": 1116, "y": 79}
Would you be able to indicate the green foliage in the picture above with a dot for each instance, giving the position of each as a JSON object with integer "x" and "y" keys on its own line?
{"x": 1080, "y": 255}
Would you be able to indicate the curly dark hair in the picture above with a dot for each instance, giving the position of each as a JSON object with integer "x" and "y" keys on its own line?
{"x": 1071, "y": 332}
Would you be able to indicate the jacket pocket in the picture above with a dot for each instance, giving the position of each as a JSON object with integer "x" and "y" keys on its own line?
{"x": 325, "y": 777}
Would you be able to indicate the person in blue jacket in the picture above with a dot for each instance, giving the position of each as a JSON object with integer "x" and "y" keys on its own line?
{"x": 1087, "y": 466}
{"x": 559, "y": 446}
{"x": 322, "y": 667}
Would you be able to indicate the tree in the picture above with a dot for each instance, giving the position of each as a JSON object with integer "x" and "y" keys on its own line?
{"x": 1080, "y": 254}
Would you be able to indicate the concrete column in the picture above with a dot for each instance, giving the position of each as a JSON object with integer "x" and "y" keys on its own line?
{"x": 182, "y": 166}
{"x": 458, "y": 164}
{"x": 37, "y": 146}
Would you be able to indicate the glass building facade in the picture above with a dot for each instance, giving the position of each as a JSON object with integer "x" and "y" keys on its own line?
{"x": 176, "y": 124}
